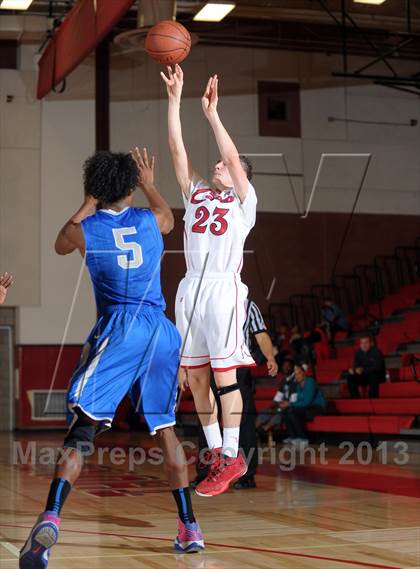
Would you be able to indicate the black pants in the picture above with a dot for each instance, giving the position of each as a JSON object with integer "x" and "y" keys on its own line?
{"x": 372, "y": 379}
{"x": 295, "y": 419}
{"x": 247, "y": 434}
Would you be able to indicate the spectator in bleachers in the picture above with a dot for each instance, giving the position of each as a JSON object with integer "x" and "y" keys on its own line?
{"x": 319, "y": 340}
{"x": 335, "y": 319}
{"x": 308, "y": 402}
{"x": 300, "y": 348}
{"x": 282, "y": 344}
{"x": 6, "y": 281}
{"x": 270, "y": 417}
{"x": 368, "y": 369}
{"x": 283, "y": 337}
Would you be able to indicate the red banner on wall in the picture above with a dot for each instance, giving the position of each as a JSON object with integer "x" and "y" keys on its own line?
{"x": 85, "y": 26}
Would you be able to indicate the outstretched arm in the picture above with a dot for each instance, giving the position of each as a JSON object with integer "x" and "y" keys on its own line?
{"x": 145, "y": 181}
{"x": 70, "y": 236}
{"x": 182, "y": 165}
{"x": 227, "y": 148}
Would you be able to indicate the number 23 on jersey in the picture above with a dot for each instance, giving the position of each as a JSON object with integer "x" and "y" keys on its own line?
{"x": 217, "y": 226}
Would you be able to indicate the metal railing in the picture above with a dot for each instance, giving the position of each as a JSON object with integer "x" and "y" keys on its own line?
{"x": 364, "y": 288}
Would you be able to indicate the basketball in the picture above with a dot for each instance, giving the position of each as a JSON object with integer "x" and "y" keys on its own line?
{"x": 168, "y": 42}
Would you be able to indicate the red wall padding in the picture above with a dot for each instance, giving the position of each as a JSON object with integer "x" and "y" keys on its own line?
{"x": 36, "y": 365}
{"x": 82, "y": 30}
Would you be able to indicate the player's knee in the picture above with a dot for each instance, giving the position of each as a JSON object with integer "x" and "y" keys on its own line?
{"x": 173, "y": 451}
{"x": 166, "y": 434}
{"x": 197, "y": 380}
{"x": 81, "y": 436}
{"x": 175, "y": 462}
{"x": 224, "y": 390}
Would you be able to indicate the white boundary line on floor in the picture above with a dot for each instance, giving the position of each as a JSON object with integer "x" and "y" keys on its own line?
{"x": 10, "y": 548}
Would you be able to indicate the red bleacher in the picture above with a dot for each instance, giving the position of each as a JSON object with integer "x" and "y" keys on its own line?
{"x": 399, "y": 399}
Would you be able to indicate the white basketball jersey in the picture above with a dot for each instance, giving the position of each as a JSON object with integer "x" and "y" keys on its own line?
{"x": 216, "y": 226}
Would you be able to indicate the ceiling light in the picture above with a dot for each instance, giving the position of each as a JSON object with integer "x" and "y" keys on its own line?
{"x": 15, "y": 4}
{"x": 213, "y": 12}
{"x": 376, "y": 2}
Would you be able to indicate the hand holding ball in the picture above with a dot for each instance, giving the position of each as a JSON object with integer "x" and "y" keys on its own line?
{"x": 168, "y": 42}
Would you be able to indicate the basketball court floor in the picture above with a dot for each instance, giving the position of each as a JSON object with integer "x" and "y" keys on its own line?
{"x": 318, "y": 516}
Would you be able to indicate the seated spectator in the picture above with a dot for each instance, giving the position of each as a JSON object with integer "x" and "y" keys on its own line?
{"x": 300, "y": 348}
{"x": 368, "y": 369}
{"x": 6, "y": 281}
{"x": 283, "y": 337}
{"x": 335, "y": 319}
{"x": 270, "y": 417}
{"x": 304, "y": 406}
{"x": 282, "y": 344}
{"x": 320, "y": 343}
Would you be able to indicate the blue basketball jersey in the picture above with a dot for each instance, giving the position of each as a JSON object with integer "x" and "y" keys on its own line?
{"x": 123, "y": 256}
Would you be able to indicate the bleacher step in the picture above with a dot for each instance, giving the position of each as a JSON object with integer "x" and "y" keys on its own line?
{"x": 409, "y": 348}
{"x": 412, "y": 308}
{"x": 393, "y": 319}
{"x": 413, "y": 433}
{"x": 393, "y": 361}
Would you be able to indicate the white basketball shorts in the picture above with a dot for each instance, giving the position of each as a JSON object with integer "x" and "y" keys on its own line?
{"x": 210, "y": 315}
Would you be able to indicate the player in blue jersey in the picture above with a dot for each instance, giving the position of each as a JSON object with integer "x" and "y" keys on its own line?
{"x": 133, "y": 348}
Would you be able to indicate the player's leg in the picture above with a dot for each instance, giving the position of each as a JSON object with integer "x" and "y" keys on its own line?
{"x": 195, "y": 356}
{"x": 99, "y": 383}
{"x": 205, "y": 404}
{"x": 36, "y": 551}
{"x": 225, "y": 315}
{"x": 189, "y": 538}
{"x": 206, "y": 456}
{"x": 154, "y": 397}
{"x": 232, "y": 406}
{"x": 231, "y": 464}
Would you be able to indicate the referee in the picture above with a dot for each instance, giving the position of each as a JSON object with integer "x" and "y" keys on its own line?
{"x": 261, "y": 348}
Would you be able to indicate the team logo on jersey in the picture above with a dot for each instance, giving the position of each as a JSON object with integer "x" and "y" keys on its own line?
{"x": 204, "y": 194}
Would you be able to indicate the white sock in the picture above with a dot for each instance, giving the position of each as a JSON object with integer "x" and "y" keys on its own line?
{"x": 213, "y": 435}
{"x": 230, "y": 441}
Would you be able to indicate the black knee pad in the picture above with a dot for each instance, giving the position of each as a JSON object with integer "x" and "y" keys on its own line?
{"x": 227, "y": 389}
{"x": 81, "y": 436}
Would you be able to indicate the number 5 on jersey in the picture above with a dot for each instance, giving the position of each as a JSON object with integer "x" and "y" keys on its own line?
{"x": 123, "y": 260}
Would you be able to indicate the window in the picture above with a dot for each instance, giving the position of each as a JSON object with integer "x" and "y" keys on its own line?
{"x": 279, "y": 109}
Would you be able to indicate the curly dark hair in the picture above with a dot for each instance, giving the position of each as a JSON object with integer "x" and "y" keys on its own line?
{"x": 246, "y": 165}
{"x": 110, "y": 176}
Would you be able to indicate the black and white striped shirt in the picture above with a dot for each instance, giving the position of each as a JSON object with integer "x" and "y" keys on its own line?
{"x": 254, "y": 323}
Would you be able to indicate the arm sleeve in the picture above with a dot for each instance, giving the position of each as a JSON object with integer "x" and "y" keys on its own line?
{"x": 306, "y": 395}
{"x": 249, "y": 206}
{"x": 256, "y": 321}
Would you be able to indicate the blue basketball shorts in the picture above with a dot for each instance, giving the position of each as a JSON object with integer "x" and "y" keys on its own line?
{"x": 129, "y": 352}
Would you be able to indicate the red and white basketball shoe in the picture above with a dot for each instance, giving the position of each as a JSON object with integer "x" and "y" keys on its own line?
{"x": 224, "y": 471}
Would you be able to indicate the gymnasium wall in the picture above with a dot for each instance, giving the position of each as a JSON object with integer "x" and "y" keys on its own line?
{"x": 42, "y": 148}
{"x": 299, "y": 253}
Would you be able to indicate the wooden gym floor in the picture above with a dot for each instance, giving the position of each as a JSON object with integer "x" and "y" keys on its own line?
{"x": 314, "y": 517}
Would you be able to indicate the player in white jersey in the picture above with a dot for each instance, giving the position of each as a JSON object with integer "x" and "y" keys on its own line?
{"x": 210, "y": 302}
